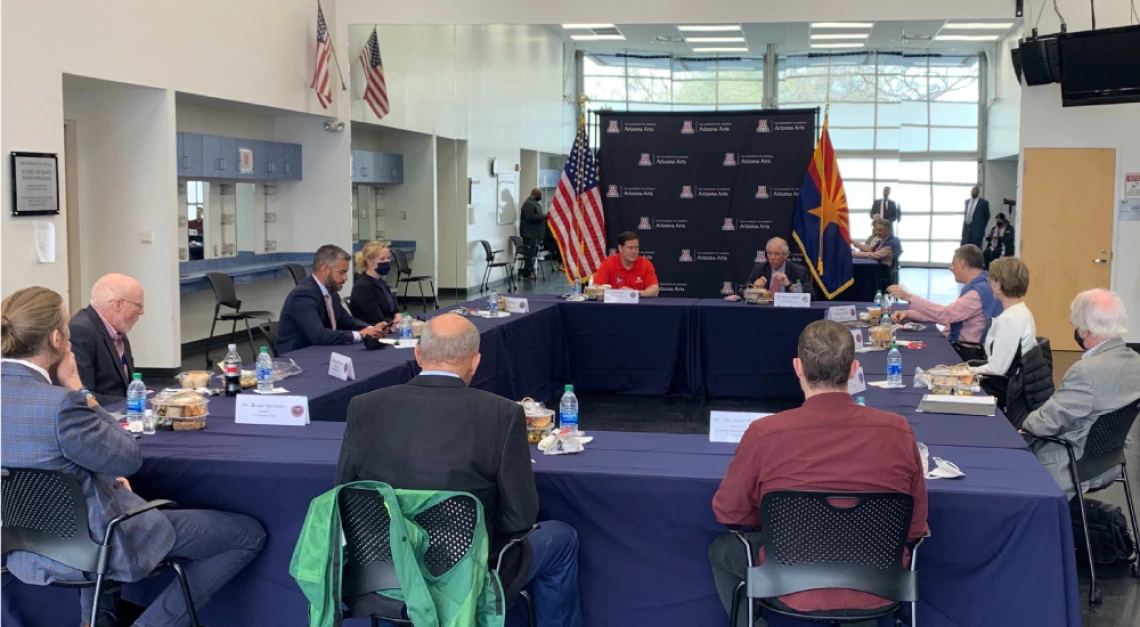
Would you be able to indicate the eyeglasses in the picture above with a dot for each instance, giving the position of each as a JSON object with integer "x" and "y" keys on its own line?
{"x": 141, "y": 306}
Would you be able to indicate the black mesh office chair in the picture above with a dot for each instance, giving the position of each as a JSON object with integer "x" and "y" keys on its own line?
{"x": 519, "y": 250}
{"x": 1104, "y": 450}
{"x": 404, "y": 274}
{"x": 226, "y": 296}
{"x": 368, "y": 565}
{"x": 814, "y": 540}
{"x": 298, "y": 272}
{"x": 45, "y": 513}
{"x": 492, "y": 263}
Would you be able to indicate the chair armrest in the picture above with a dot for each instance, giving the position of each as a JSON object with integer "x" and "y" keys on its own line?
{"x": 738, "y": 531}
{"x": 131, "y": 513}
{"x": 516, "y": 540}
{"x": 1054, "y": 439}
{"x": 914, "y": 549}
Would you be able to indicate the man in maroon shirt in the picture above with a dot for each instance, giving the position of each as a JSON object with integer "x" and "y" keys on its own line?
{"x": 829, "y": 443}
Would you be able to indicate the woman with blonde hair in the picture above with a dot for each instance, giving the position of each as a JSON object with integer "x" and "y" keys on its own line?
{"x": 372, "y": 301}
{"x": 61, "y": 427}
{"x": 1011, "y": 334}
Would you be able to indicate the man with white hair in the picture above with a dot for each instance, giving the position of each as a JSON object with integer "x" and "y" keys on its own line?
{"x": 777, "y": 273}
{"x": 438, "y": 433}
{"x": 99, "y": 337}
{"x": 1105, "y": 379}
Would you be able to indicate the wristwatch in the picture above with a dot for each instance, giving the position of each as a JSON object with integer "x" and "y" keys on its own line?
{"x": 87, "y": 395}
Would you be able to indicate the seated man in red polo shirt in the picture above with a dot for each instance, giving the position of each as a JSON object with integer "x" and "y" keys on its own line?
{"x": 829, "y": 443}
{"x": 627, "y": 269}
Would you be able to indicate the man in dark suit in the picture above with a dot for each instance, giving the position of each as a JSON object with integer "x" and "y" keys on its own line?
{"x": 436, "y": 433}
{"x": 886, "y": 208}
{"x": 977, "y": 217}
{"x": 531, "y": 228}
{"x": 313, "y": 314}
{"x": 778, "y": 274}
{"x": 99, "y": 337}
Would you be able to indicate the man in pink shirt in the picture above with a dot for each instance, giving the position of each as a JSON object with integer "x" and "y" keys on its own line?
{"x": 966, "y": 319}
{"x": 103, "y": 355}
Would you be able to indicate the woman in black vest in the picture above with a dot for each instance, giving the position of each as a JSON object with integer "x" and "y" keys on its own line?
{"x": 372, "y": 301}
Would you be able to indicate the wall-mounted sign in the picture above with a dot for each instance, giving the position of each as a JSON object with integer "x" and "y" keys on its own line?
{"x": 35, "y": 183}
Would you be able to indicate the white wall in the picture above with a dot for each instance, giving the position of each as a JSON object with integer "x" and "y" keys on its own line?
{"x": 1046, "y": 124}
{"x": 1003, "y": 112}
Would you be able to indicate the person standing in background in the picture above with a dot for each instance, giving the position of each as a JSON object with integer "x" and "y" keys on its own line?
{"x": 531, "y": 226}
{"x": 886, "y": 208}
{"x": 999, "y": 243}
{"x": 977, "y": 217}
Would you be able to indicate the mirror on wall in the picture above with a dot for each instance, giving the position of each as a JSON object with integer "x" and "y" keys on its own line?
{"x": 197, "y": 202}
{"x": 245, "y": 194}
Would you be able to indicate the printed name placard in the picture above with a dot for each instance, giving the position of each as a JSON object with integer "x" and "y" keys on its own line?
{"x": 791, "y": 299}
{"x": 857, "y": 335}
{"x": 341, "y": 367}
{"x": 518, "y": 305}
{"x": 288, "y": 411}
{"x": 729, "y": 426}
{"x": 842, "y": 313}
{"x": 857, "y": 383}
{"x": 629, "y": 297}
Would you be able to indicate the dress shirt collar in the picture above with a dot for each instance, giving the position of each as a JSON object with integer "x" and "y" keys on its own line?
{"x": 324, "y": 290}
{"x": 438, "y": 373}
{"x": 830, "y": 400}
{"x": 783, "y": 268}
{"x": 23, "y": 362}
{"x": 115, "y": 335}
{"x": 1090, "y": 352}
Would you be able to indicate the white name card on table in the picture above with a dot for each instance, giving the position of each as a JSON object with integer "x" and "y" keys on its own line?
{"x": 518, "y": 305}
{"x": 791, "y": 299}
{"x": 288, "y": 411}
{"x": 341, "y": 367}
{"x": 629, "y": 297}
{"x": 857, "y": 383}
{"x": 842, "y": 313}
{"x": 729, "y": 426}
{"x": 857, "y": 335}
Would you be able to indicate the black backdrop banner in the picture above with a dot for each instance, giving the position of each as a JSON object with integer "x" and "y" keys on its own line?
{"x": 705, "y": 191}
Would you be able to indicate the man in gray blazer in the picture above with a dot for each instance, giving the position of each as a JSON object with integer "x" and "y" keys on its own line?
{"x": 1105, "y": 379}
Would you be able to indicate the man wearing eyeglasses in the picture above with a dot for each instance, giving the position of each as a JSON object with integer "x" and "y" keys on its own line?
{"x": 99, "y": 337}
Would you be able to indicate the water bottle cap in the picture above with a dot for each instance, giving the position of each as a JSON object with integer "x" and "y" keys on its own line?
{"x": 233, "y": 347}
{"x": 569, "y": 388}
{"x": 265, "y": 349}
{"x": 136, "y": 376}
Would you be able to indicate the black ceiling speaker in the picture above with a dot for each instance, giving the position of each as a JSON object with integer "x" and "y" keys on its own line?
{"x": 1040, "y": 61}
{"x": 1015, "y": 56}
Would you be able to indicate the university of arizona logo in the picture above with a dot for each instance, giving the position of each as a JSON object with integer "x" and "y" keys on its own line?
{"x": 687, "y": 128}
{"x": 644, "y": 225}
{"x": 727, "y": 288}
{"x": 645, "y": 159}
{"x": 760, "y": 257}
{"x": 728, "y": 225}
{"x": 686, "y": 256}
{"x": 761, "y": 191}
{"x": 686, "y": 191}
{"x": 730, "y": 158}
{"x": 613, "y": 127}
{"x": 613, "y": 192}
{"x": 762, "y": 127}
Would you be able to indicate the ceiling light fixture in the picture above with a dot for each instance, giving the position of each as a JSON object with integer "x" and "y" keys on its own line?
{"x": 847, "y": 45}
{"x": 710, "y": 28}
{"x": 597, "y": 37}
{"x": 842, "y": 24}
{"x": 585, "y": 26}
{"x": 714, "y": 40}
{"x": 978, "y": 26}
{"x": 840, "y": 36}
{"x": 720, "y": 49}
{"x": 965, "y": 38}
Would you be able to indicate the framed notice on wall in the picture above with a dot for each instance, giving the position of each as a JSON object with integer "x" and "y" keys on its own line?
{"x": 35, "y": 183}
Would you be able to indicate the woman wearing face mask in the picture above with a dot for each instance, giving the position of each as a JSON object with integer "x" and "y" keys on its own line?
{"x": 999, "y": 243}
{"x": 372, "y": 301}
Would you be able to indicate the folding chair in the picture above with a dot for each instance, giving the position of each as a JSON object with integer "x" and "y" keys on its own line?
{"x": 226, "y": 296}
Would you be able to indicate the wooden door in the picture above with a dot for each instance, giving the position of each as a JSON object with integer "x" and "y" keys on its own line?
{"x": 1066, "y": 231}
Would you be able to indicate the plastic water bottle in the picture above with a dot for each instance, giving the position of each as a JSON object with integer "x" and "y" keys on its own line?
{"x": 887, "y": 302}
{"x": 264, "y": 371}
{"x": 148, "y": 422}
{"x": 859, "y": 400}
{"x": 493, "y": 304}
{"x": 894, "y": 367}
{"x": 576, "y": 290}
{"x": 879, "y": 298}
{"x": 799, "y": 287}
{"x": 136, "y": 404}
{"x": 231, "y": 368}
{"x": 568, "y": 410}
{"x": 406, "y": 327}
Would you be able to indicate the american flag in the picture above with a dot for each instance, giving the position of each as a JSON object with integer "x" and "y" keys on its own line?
{"x": 376, "y": 91}
{"x": 576, "y": 218}
{"x": 321, "y": 81}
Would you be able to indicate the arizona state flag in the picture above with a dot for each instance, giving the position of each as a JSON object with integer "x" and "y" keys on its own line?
{"x": 822, "y": 224}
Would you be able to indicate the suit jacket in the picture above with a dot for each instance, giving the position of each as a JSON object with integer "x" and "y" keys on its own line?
{"x": 795, "y": 272}
{"x": 533, "y": 223}
{"x": 52, "y": 428}
{"x": 305, "y": 322}
{"x": 97, "y": 359}
{"x": 1004, "y": 245}
{"x": 892, "y": 213}
{"x": 372, "y": 300}
{"x": 975, "y": 231}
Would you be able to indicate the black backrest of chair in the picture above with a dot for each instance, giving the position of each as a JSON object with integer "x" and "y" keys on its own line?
{"x": 516, "y": 244}
{"x": 401, "y": 262}
{"x": 450, "y": 525}
{"x": 45, "y": 512}
{"x": 368, "y": 563}
{"x": 853, "y": 540}
{"x": 487, "y": 250}
{"x": 269, "y": 330}
{"x": 1104, "y": 446}
{"x": 298, "y": 272}
{"x": 224, "y": 291}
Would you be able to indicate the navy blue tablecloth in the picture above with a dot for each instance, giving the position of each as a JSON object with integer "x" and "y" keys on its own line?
{"x": 1001, "y": 551}
{"x": 865, "y": 272}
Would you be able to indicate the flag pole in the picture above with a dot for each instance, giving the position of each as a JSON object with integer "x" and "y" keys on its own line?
{"x": 819, "y": 253}
{"x": 332, "y": 48}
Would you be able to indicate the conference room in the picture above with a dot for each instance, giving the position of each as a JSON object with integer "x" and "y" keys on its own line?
{"x": 656, "y": 211}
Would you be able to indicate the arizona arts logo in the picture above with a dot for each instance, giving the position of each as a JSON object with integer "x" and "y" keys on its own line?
{"x": 762, "y": 127}
{"x": 644, "y": 225}
{"x": 686, "y": 256}
{"x": 728, "y": 225}
{"x": 613, "y": 127}
{"x": 645, "y": 160}
{"x": 730, "y": 158}
{"x": 761, "y": 191}
{"x": 727, "y": 289}
{"x": 687, "y": 128}
{"x": 760, "y": 257}
{"x": 613, "y": 192}
{"x": 686, "y": 191}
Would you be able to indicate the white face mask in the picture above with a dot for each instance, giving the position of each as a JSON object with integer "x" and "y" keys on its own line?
{"x": 943, "y": 469}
